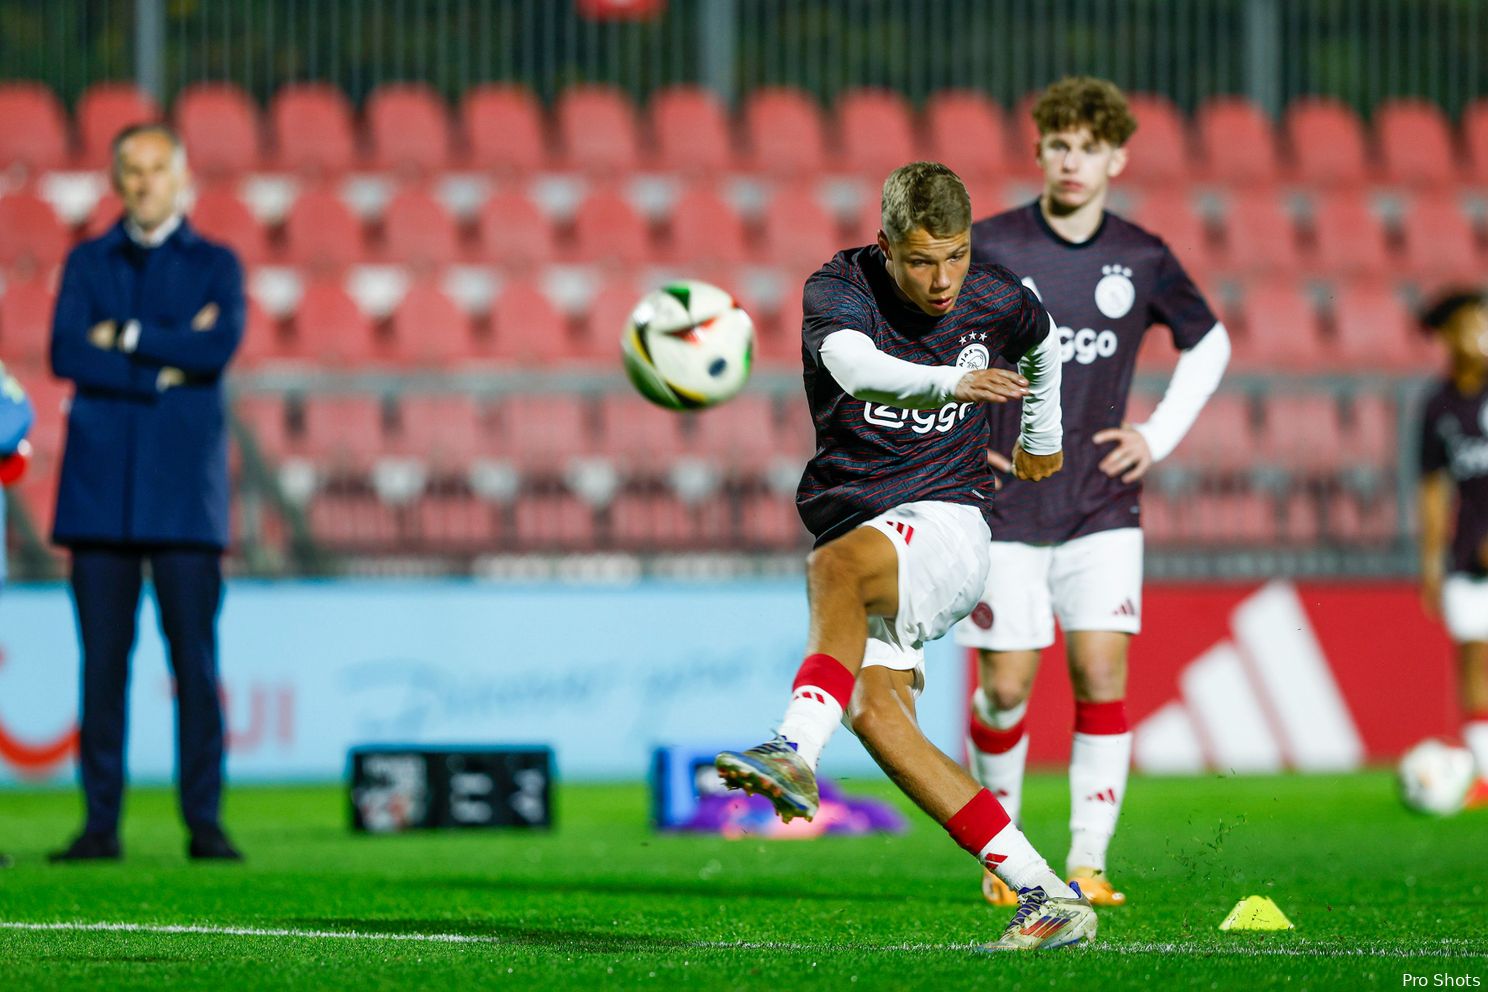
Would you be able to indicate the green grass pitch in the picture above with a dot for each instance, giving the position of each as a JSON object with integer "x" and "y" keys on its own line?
{"x": 1375, "y": 893}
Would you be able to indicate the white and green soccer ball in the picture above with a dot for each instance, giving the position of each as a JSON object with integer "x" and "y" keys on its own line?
{"x": 688, "y": 345}
{"x": 1435, "y": 777}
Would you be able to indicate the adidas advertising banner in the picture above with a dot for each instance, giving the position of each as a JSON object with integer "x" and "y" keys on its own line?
{"x": 1313, "y": 677}
{"x": 602, "y": 675}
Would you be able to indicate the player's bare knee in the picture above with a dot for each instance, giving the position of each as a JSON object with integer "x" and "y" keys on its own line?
{"x": 1007, "y": 692}
{"x": 874, "y": 714}
{"x": 1098, "y": 679}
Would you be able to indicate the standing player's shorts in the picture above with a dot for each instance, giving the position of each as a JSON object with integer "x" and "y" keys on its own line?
{"x": 1465, "y": 607}
{"x": 1091, "y": 583}
{"x": 942, "y": 570}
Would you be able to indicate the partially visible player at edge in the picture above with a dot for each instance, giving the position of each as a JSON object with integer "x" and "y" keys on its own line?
{"x": 1073, "y": 547}
{"x": 897, "y": 342}
{"x": 1454, "y": 552}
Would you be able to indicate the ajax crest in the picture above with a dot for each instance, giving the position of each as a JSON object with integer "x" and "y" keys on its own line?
{"x": 975, "y": 355}
{"x": 1115, "y": 294}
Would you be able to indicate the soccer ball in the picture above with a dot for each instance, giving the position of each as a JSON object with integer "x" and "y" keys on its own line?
{"x": 688, "y": 345}
{"x": 1435, "y": 777}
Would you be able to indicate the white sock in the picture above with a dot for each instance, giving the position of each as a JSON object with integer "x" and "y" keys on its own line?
{"x": 1475, "y": 736}
{"x": 1099, "y": 766}
{"x": 809, "y": 721}
{"x": 1014, "y": 860}
{"x": 1000, "y": 772}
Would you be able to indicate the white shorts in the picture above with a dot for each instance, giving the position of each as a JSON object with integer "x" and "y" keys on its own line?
{"x": 1091, "y": 583}
{"x": 942, "y": 570}
{"x": 1465, "y": 607}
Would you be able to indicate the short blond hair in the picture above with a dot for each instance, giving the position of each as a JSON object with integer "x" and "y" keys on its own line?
{"x": 1085, "y": 101}
{"x": 927, "y": 195}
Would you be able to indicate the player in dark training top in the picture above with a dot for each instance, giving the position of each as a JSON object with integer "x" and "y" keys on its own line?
{"x": 898, "y": 340}
{"x": 1073, "y": 548}
{"x": 1454, "y": 463}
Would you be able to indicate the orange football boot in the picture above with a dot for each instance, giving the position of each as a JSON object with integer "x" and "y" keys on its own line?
{"x": 996, "y": 891}
{"x": 1477, "y": 796}
{"x": 1097, "y": 887}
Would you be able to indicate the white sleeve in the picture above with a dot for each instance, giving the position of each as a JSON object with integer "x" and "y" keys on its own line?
{"x": 1043, "y": 417}
{"x": 1194, "y": 380}
{"x": 868, "y": 374}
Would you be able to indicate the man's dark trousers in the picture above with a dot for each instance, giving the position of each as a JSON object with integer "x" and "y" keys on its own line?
{"x": 106, "y": 583}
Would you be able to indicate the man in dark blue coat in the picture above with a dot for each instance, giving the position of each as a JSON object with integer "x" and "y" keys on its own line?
{"x": 147, "y": 318}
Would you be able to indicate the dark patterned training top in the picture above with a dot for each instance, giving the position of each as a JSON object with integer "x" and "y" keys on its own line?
{"x": 1454, "y": 437}
{"x": 1103, "y": 293}
{"x": 871, "y": 457}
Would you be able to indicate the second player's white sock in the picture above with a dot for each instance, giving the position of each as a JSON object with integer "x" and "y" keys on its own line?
{"x": 1100, "y": 763}
{"x": 819, "y": 697}
{"x": 1475, "y": 736}
{"x": 998, "y": 747}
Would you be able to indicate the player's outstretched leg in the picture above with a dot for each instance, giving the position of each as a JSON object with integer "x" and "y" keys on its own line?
{"x": 1050, "y": 913}
{"x": 1100, "y": 760}
{"x": 846, "y": 580}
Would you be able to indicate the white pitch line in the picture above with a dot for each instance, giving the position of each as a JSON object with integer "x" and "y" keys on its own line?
{"x": 1302, "y": 949}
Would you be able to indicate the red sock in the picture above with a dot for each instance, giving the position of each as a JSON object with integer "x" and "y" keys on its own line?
{"x": 990, "y": 740}
{"x": 974, "y": 825}
{"x": 1101, "y": 718}
{"x": 828, "y": 674}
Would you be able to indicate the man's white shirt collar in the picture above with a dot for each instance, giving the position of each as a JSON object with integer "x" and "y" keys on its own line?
{"x": 155, "y": 238}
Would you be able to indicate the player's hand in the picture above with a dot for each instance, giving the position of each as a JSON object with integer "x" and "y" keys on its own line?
{"x": 991, "y": 386}
{"x": 169, "y": 377}
{"x": 1034, "y": 468}
{"x": 1131, "y": 458}
{"x": 103, "y": 335}
{"x": 206, "y": 318}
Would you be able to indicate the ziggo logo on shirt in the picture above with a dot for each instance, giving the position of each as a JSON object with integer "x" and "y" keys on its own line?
{"x": 1086, "y": 345}
{"x": 919, "y": 421}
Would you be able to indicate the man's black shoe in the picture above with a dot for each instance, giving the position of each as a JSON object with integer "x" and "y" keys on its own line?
{"x": 5, "y": 861}
{"x": 89, "y": 847}
{"x": 211, "y": 844}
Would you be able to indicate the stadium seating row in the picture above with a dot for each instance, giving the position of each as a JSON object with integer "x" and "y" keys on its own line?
{"x": 1277, "y": 324}
{"x": 1258, "y": 231}
{"x": 313, "y": 129}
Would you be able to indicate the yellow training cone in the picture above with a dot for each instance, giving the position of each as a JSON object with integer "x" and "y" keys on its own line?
{"x": 1256, "y": 913}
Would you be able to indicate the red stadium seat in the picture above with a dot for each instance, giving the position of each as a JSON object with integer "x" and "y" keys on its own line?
{"x": 1474, "y": 136}
{"x": 443, "y": 431}
{"x": 784, "y": 132}
{"x": 267, "y": 422}
{"x": 221, "y": 216}
{"x": 770, "y": 523}
{"x": 608, "y": 312}
{"x": 26, "y": 323}
{"x": 1375, "y": 330}
{"x": 1372, "y": 436}
{"x": 876, "y": 132}
{"x": 642, "y": 439}
{"x": 1024, "y": 130}
{"x": 652, "y": 522}
{"x": 597, "y": 130}
{"x": 429, "y": 330}
{"x": 418, "y": 232}
{"x": 514, "y": 233}
{"x": 1281, "y": 330}
{"x": 32, "y": 239}
{"x": 456, "y": 522}
{"x": 1439, "y": 239}
{"x": 1303, "y": 433}
{"x": 1415, "y": 143}
{"x": 1349, "y": 238}
{"x": 780, "y": 346}
{"x": 1221, "y": 439}
{"x": 542, "y": 434}
{"x": 329, "y": 329}
{"x": 799, "y": 234}
{"x": 608, "y": 229}
{"x": 529, "y": 330}
{"x": 261, "y": 341}
{"x": 105, "y": 214}
{"x": 1237, "y": 142}
{"x": 409, "y": 128}
{"x": 220, "y": 125}
{"x": 1158, "y": 152}
{"x": 1176, "y": 219}
{"x": 353, "y": 520}
{"x": 739, "y": 435}
{"x": 967, "y": 131}
{"x": 553, "y": 522}
{"x": 503, "y": 129}
{"x": 1326, "y": 139}
{"x": 321, "y": 232}
{"x": 691, "y": 130}
{"x": 35, "y": 133}
{"x": 50, "y": 399}
{"x": 343, "y": 434}
{"x": 1259, "y": 234}
{"x": 312, "y": 129}
{"x": 103, "y": 111}
{"x": 706, "y": 230}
